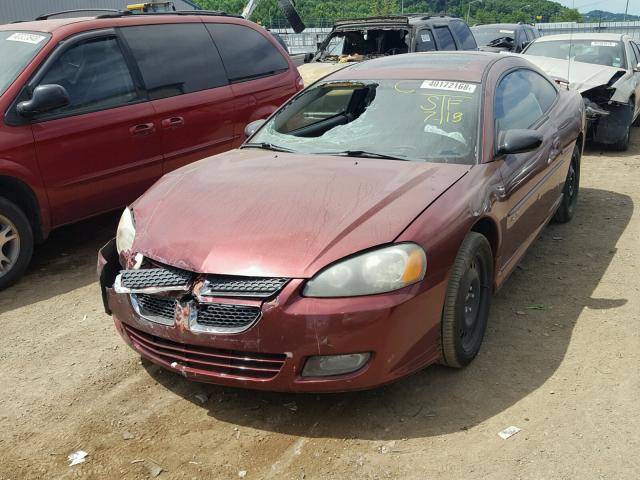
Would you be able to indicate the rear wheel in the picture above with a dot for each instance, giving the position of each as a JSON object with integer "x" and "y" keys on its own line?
{"x": 16, "y": 243}
{"x": 467, "y": 301}
{"x": 567, "y": 207}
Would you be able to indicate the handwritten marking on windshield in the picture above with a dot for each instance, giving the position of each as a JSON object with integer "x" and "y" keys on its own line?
{"x": 441, "y": 109}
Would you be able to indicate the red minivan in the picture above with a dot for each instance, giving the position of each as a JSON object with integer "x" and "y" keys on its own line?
{"x": 97, "y": 109}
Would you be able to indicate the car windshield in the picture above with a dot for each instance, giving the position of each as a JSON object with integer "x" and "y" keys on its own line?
{"x": 486, "y": 35}
{"x": 17, "y": 48}
{"x": 361, "y": 44}
{"x": 600, "y": 52}
{"x": 419, "y": 120}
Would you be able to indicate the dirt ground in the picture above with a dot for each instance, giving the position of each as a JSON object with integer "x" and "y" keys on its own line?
{"x": 560, "y": 360}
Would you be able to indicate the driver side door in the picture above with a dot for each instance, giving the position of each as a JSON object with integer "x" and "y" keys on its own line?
{"x": 522, "y": 102}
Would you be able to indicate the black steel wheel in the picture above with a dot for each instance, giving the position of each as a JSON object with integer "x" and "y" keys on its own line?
{"x": 291, "y": 14}
{"x": 567, "y": 207}
{"x": 467, "y": 301}
{"x": 16, "y": 243}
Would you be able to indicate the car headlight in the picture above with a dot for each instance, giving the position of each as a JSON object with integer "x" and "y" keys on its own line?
{"x": 377, "y": 271}
{"x": 126, "y": 231}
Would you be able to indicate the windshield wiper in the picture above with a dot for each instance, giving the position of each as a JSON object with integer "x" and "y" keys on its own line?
{"x": 364, "y": 153}
{"x": 268, "y": 146}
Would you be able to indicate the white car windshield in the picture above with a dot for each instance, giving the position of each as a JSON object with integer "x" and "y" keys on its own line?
{"x": 419, "y": 120}
{"x": 600, "y": 52}
{"x": 17, "y": 49}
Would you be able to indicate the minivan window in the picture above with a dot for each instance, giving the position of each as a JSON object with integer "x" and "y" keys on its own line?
{"x": 17, "y": 49}
{"x": 246, "y": 53}
{"x": 95, "y": 75}
{"x": 175, "y": 59}
{"x": 464, "y": 35}
{"x": 445, "y": 39}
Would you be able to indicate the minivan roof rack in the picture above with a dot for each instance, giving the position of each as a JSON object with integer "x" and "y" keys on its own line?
{"x": 113, "y": 13}
{"x": 78, "y": 10}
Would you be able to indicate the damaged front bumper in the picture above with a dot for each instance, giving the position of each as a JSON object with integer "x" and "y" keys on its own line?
{"x": 394, "y": 334}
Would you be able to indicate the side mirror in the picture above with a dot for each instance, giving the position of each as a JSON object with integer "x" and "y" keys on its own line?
{"x": 252, "y": 127}
{"x": 518, "y": 141}
{"x": 308, "y": 57}
{"x": 637, "y": 69}
{"x": 44, "y": 99}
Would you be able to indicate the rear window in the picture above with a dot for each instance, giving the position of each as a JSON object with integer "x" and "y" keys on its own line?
{"x": 445, "y": 39}
{"x": 17, "y": 49}
{"x": 464, "y": 35}
{"x": 246, "y": 53}
{"x": 175, "y": 59}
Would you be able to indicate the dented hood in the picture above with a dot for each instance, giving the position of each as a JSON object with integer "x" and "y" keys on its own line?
{"x": 259, "y": 213}
{"x": 582, "y": 76}
{"x": 310, "y": 72}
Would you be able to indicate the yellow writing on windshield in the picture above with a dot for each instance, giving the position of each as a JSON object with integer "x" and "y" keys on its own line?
{"x": 443, "y": 109}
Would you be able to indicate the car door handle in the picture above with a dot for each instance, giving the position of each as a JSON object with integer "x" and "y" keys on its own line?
{"x": 142, "y": 129}
{"x": 173, "y": 122}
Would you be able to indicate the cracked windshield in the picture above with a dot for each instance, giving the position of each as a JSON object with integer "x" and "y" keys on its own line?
{"x": 420, "y": 120}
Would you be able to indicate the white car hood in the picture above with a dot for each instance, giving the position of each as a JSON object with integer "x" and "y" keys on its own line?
{"x": 585, "y": 76}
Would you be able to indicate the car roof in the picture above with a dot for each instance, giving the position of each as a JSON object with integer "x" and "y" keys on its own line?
{"x": 464, "y": 66}
{"x": 44, "y": 25}
{"x": 499, "y": 25}
{"x": 93, "y": 22}
{"x": 582, "y": 36}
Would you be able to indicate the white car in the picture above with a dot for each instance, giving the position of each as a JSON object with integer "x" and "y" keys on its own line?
{"x": 605, "y": 69}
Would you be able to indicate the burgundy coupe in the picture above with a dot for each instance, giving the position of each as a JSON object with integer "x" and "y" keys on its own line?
{"x": 359, "y": 233}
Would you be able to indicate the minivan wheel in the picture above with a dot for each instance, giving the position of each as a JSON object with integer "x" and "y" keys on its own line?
{"x": 467, "y": 301}
{"x": 16, "y": 243}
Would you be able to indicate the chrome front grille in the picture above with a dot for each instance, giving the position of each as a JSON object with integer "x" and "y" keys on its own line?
{"x": 230, "y": 286}
{"x": 154, "y": 308}
{"x": 224, "y": 317}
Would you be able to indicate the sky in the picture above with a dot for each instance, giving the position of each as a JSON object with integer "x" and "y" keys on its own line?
{"x": 614, "y": 6}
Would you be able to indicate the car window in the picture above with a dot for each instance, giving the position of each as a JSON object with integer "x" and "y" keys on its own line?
{"x": 95, "y": 75}
{"x": 17, "y": 49}
{"x": 175, "y": 59}
{"x": 465, "y": 37}
{"x": 522, "y": 97}
{"x": 246, "y": 53}
{"x": 418, "y": 120}
{"x": 445, "y": 39}
{"x": 424, "y": 41}
{"x": 609, "y": 53}
{"x": 636, "y": 52}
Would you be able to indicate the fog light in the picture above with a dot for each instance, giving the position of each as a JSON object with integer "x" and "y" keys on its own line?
{"x": 327, "y": 365}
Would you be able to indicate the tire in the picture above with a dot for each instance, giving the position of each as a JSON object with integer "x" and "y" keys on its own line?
{"x": 470, "y": 287}
{"x": 567, "y": 207}
{"x": 291, "y": 14}
{"x": 623, "y": 144}
{"x": 15, "y": 253}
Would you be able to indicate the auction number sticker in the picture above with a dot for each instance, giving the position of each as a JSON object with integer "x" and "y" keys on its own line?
{"x": 449, "y": 86}
{"x": 425, "y": 37}
{"x": 604, "y": 44}
{"x": 26, "y": 37}
{"x": 506, "y": 31}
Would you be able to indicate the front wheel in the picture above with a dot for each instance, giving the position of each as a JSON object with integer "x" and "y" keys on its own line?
{"x": 567, "y": 207}
{"x": 16, "y": 243}
{"x": 467, "y": 301}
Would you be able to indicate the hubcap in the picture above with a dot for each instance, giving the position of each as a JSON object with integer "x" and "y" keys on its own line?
{"x": 9, "y": 245}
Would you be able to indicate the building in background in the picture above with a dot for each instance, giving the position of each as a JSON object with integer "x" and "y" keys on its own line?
{"x": 16, "y": 10}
